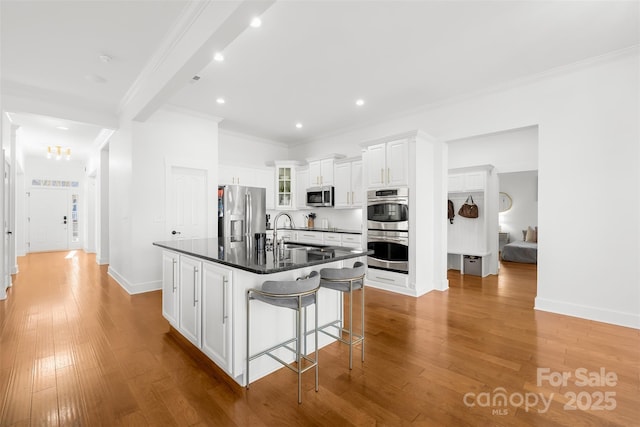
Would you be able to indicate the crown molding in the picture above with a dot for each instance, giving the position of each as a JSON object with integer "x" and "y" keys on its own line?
{"x": 190, "y": 14}
{"x": 511, "y": 84}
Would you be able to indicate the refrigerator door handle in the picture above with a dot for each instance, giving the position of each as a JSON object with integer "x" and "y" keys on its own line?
{"x": 248, "y": 214}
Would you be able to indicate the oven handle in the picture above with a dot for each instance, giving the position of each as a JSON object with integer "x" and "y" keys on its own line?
{"x": 378, "y": 202}
{"x": 389, "y": 240}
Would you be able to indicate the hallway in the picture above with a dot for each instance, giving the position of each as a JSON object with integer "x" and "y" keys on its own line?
{"x": 76, "y": 349}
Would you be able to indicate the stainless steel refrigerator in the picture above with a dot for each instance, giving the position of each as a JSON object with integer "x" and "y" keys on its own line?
{"x": 241, "y": 212}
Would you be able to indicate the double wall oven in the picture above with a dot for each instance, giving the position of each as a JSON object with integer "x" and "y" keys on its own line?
{"x": 388, "y": 229}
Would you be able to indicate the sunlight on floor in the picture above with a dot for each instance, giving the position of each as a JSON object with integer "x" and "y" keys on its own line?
{"x": 70, "y": 255}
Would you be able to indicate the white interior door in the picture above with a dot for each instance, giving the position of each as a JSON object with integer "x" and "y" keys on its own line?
{"x": 188, "y": 208}
{"x": 48, "y": 220}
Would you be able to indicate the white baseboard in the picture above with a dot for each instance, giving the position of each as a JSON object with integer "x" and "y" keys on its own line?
{"x": 15, "y": 269}
{"x": 629, "y": 320}
{"x": 137, "y": 288}
{"x": 395, "y": 289}
{"x": 102, "y": 261}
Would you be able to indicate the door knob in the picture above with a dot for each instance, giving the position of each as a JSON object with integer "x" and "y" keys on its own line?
{"x": 174, "y": 232}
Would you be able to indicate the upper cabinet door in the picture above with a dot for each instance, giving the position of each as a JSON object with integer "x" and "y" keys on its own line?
{"x": 265, "y": 179}
{"x": 376, "y": 166}
{"x": 315, "y": 173}
{"x": 302, "y": 183}
{"x": 326, "y": 169}
{"x": 357, "y": 189}
{"x": 474, "y": 181}
{"x": 284, "y": 187}
{"x": 342, "y": 190}
{"x": 397, "y": 173}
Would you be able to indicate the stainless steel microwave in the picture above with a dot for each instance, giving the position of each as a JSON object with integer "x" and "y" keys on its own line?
{"x": 320, "y": 196}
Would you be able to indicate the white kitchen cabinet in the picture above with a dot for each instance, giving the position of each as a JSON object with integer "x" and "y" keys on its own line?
{"x": 388, "y": 164}
{"x": 170, "y": 287}
{"x": 351, "y": 240}
{"x": 264, "y": 178}
{"x": 349, "y": 192}
{"x": 236, "y": 175}
{"x": 285, "y": 185}
{"x": 467, "y": 182}
{"x": 309, "y": 236}
{"x": 189, "y": 312}
{"x": 388, "y": 280}
{"x": 250, "y": 177}
{"x": 216, "y": 314}
{"x": 302, "y": 183}
{"x": 321, "y": 172}
{"x": 357, "y": 187}
{"x": 334, "y": 239}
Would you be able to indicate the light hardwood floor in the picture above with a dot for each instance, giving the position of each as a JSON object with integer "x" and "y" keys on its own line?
{"x": 75, "y": 349}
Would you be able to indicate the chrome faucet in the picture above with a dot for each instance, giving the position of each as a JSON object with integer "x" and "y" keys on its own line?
{"x": 275, "y": 227}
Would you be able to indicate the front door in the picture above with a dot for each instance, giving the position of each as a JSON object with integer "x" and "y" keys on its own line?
{"x": 49, "y": 219}
{"x": 188, "y": 207}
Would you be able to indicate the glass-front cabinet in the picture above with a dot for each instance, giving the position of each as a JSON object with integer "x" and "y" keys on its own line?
{"x": 285, "y": 185}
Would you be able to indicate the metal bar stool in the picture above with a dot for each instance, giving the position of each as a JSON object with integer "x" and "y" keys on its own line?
{"x": 296, "y": 295}
{"x": 345, "y": 280}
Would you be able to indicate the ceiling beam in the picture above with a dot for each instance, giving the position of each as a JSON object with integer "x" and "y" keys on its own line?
{"x": 203, "y": 29}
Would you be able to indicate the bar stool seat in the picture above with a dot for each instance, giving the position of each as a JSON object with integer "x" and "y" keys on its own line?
{"x": 296, "y": 295}
{"x": 345, "y": 280}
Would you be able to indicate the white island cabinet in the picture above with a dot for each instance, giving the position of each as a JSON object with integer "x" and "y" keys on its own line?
{"x": 204, "y": 293}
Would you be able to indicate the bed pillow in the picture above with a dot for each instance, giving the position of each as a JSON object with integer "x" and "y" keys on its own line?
{"x": 530, "y": 235}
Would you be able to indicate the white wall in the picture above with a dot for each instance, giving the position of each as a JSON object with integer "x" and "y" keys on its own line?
{"x": 508, "y": 151}
{"x": 139, "y": 155}
{"x": 246, "y": 150}
{"x": 522, "y": 187}
{"x": 587, "y": 117}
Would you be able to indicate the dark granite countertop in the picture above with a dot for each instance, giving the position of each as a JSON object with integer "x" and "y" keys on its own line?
{"x": 241, "y": 255}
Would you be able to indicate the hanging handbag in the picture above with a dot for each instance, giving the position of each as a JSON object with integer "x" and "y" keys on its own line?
{"x": 469, "y": 209}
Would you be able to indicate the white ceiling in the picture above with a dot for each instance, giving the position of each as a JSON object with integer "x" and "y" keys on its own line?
{"x": 310, "y": 60}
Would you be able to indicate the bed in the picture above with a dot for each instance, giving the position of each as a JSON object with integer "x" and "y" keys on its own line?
{"x": 521, "y": 251}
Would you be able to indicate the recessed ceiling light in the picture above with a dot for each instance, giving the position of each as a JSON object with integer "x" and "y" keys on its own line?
{"x": 360, "y": 102}
{"x": 62, "y": 128}
{"x": 256, "y": 22}
{"x": 220, "y": 101}
{"x": 299, "y": 125}
{"x": 218, "y": 57}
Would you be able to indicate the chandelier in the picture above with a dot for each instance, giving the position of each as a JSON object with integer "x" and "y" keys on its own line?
{"x": 57, "y": 151}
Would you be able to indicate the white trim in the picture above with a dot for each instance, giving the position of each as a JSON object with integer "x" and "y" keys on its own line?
{"x": 501, "y": 87}
{"x": 629, "y": 320}
{"x": 170, "y": 108}
{"x": 251, "y": 137}
{"x": 131, "y": 289}
{"x": 185, "y": 21}
{"x": 102, "y": 261}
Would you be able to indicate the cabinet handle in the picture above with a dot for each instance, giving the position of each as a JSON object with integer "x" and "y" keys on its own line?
{"x": 195, "y": 283}
{"x": 388, "y": 175}
{"x": 382, "y": 175}
{"x": 347, "y": 197}
{"x": 352, "y": 195}
{"x": 224, "y": 299}
{"x": 173, "y": 266}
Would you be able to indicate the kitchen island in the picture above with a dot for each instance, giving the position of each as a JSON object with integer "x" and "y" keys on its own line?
{"x": 204, "y": 287}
